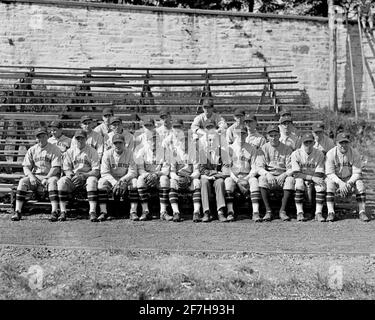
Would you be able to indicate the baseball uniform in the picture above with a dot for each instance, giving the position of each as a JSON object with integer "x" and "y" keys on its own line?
{"x": 95, "y": 140}
{"x": 63, "y": 142}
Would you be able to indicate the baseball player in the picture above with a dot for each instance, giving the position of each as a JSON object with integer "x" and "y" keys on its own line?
{"x": 42, "y": 167}
{"x": 153, "y": 171}
{"x": 308, "y": 169}
{"x": 119, "y": 175}
{"x": 116, "y": 127}
{"x": 279, "y": 172}
{"x": 254, "y": 137}
{"x": 322, "y": 142}
{"x": 104, "y": 127}
{"x": 165, "y": 128}
{"x": 287, "y": 133}
{"x": 344, "y": 173}
{"x": 208, "y": 115}
{"x": 81, "y": 167}
{"x": 94, "y": 139}
{"x": 234, "y": 130}
{"x": 184, "y": 175}
{"x": 246, "y": 163}
{"x": 214, "y": 168}
{"x": 62, "y": 141}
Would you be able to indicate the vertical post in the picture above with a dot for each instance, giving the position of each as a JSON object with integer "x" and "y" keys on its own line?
{"x": 332, "y": 57}
{"x": 352, "y": 76}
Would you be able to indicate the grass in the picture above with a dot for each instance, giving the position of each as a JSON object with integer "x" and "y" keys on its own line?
{"x": 77, "y": 274}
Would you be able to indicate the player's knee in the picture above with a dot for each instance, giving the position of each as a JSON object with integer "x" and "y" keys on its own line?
{"x": 229, "y": 183}
{"x": 133, "y": 184}
{"x": 174, "y": 184}
{"x": 299, "y": 184}
{"x": 91, "y": 184}
{"x": 164, "y": 182}
{"x": 141, "y": 182}
{"x": 360, "y": 186}
{"x": 320, "y": 187}
{"x": 331, "y": 186}
{"x": 289, "y": 183}
{"x": 23, "y": 184}
{"x": 102, "y": 184}
{"x": 52, "y": 183}
{"x": 196, "y": 184}
{"x": 263, "y": 182}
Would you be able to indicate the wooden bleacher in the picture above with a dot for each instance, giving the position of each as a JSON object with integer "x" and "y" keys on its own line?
{"x": 32, "y": 96}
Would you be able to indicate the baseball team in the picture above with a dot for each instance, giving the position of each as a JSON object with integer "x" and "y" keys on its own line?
{"x": 211, "y": 161}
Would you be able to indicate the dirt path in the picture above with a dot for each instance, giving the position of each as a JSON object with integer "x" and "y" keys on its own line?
{"x": 346, "y": 236}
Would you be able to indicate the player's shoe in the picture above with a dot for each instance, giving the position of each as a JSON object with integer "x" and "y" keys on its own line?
{"x": 230, "y": 217}
{"x": 319, "y": 217}
{"x": 256, "y": 217}
{"x": 62, "y": 216}
{"x": 177, "y": 217}
{"x": 197, "y": 217}
{"x": 54, "y": 216}
{"x": 93, "y": 216}
{"x": 283, "y": 216}
{"x": 301, "y": 217}
{"x": 221, "y": 216}
{"x": 165, "y": 216}
{"x": 16, "y": 216}
{"x": 268, "y": 216}
{"x": 331, "y": 217}
{"x": 133, "y": 216}
{"x": 102, "y": 217}
{"x": 363, "y": 216}
{"x": 145, "y": 216}
{"x": 206, "y": 217}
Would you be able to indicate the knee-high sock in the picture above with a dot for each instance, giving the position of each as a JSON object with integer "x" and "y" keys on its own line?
{"x": 255, "y": 197}
{"x": 330, "y": 198}
{"x": 265, "y": 193}
{"x": 298, "y": 198}
{"x": 197, "y": 200}
{"x": 361, "y": 200}
{"x": 20, "y": 199}
{"x": 320, "y": 197}
{"x": 173, "y": 199}
{"x": 163, "y": 194}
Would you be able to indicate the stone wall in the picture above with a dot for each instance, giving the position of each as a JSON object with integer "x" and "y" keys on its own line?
{"x": 104, "y": 35}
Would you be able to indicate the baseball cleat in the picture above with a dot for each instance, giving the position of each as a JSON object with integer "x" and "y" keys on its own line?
{"x": 133, "y": 216}
{"x": 256, "y": 217}
{"x": 62, "y": 216}
{"x": 283, "y": 216}
{"x": 319, "y": 217}
{"x": 331, "y": 217}
{"x": 230, "y": 217}
{"x": 301, "y": 217}
{"x": 93, "y": 216}
{"x": 165, "y": 216}
{"x": 268, "y": 216}
{"x": 197, "y": 217}
{"x": 221, "y": 217}
{"x": 206, "y": 217}
{"x": 54, "y": 216}
{"x": 176, "y": 217}
{"x": 363, "y": 216}
{"x": 145, "y": 216}
{"x": 16, "y": 216}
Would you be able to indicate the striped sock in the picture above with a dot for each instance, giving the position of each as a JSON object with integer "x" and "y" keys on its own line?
{"x": 320, "y": 197}
{"x": 143, "y": 194}
{"x": 163, "y": 194}
{"x": 21, "y": 195}
{"x": 173, "y": 196}
{"x": 298, "y": 196}
{"x": 330, "y": 197}
{"x": 361, "y": 197}
{"x": 92, "y": 195}
{"x": 133, "y": 195}
{"x": 53, "y": 195}
{"x": 197, "y": 196}
{"x": 255, "y": 196}
{"x": 63, "y": 195}
{"x": 102, "y": 196}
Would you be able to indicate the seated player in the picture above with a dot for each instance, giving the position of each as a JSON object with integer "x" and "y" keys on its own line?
{"x": 62, "y": 141}
{"x": 288, "y": 134}
{"x": 81, "y": 167}
{"x": 213, "y": 166}
{"x": 344, "y": 174}
{"x": 184, "y": 175}
{"x": 322, "y": 142}
{"x": 234, "y": 130}
{"x": 308, "y": 170}
{"x": 41, "y": 166}
{"x": 119, "y": 175}
{"x": 153, "y": 171}
{"x": 165, "y": 127}
{"x": 94, "y": 139}
{"x": 254, "y": 137}
{"x": 246, "y": 162}
{"x": 104, "y": 127}
{"x": 279, "y": 171}
{"x": 116, "y": 127}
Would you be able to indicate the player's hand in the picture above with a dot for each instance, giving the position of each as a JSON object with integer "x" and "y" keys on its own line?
{"x": 317, "y": 180}
{"x": 271, "y": 179}
{"x": 281, "y": 179}
{"x": 44, "y": 182}
{"x": 343, "y": 189}
{"x": 33, "y": 181}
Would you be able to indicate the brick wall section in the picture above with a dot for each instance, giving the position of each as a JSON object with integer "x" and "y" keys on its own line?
{"x": 48, "y": 35}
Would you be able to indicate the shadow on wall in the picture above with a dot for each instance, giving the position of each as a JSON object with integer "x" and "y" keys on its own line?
{"x": 347, "y": 104}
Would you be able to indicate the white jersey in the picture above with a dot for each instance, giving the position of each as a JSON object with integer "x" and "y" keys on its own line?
{"x": 84, "y": 160}
{"x": 63, "y": 142}
{"x": 40, "y": 160}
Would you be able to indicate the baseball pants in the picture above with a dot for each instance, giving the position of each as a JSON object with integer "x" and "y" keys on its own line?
{"x": 105, "y": 188}
{"x": 24, "y": 185}
{"x": 144, "y": 191}
{"x": 66, "y": 187}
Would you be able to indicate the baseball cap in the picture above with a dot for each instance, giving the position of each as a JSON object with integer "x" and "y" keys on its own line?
{"x": 177, "y": 123}
{"x": 80, "y": 133}
{"x": 149, "y": 122}
{"x": 272, "y": 128}
{"x": 208, "y": 103}
{"x": 118, "y": 138}
{"x": 318, "y": 127}
{"x": 164, "y": 113}
{"x": 40, "y": 131}
{"x": 239, "y": 112}
{"x": 210, "y": 124}
{"x": 115, "y": 119}
{"x": 85, "y": 118}
{"x": 343, "y": 136}
{"x": 107, "y": 111}
{"x": 307, "y": 137}
{"x": 285, "y": 113}
{"x": 249, "y": 117}
{"x": 56, "y": 124}
{"x": 285, "y": 119}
